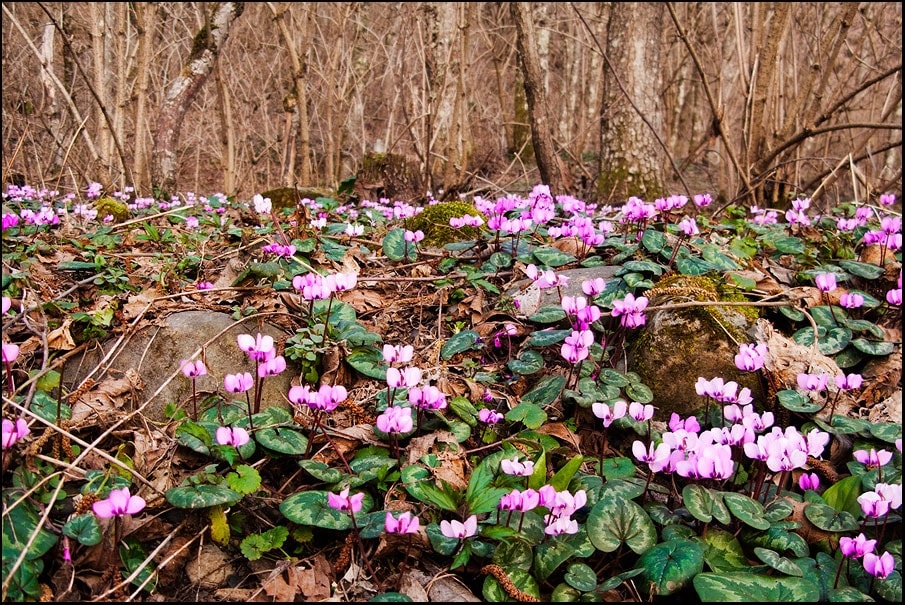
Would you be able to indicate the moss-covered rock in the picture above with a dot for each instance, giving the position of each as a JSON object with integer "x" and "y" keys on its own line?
{"x": 677, "y": 346}
{"x": 289, "y": 197}
{"x": 108, "y": 206}
{"x": 433, "y": 221}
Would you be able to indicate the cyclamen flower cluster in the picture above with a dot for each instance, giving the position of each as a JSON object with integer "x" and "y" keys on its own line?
{"x": 314, "y": 286}
{"x": 630, "y": 310}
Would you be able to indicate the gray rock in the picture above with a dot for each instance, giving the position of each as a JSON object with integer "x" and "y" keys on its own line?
{"x": 155, "y": 353}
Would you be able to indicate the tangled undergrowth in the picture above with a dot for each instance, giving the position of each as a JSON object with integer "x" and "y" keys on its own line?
{"x": 434, "y": 443}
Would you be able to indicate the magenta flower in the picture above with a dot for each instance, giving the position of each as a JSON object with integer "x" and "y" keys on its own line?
{"x": 427, "y": 398}
{"x": 641, "y": 412}
{"x": 258, "y": 348}
{"x": 118, "y": 503}
{"x": 879, "y": 566}
{"x": 631, "y": 310}
{"x": 813, "y": 382}
{"x": 398, "y": 353}
{"x": 826, "y": 282}
{"x": 593, "y": 287}
{"x": 234, "y": 436}
{"x": 851, "y": 300}
{"x": 13, "y": 431}
{"x": 488, "y": 416}
{"x": 873, "y": 505}
{"x": 519, "y": 501}
{"x": 7, "y": 304}
{"x": 887, "y": 199}
{"x": 343, "y": 502}
{"x": 272, "y": 366}
{"x": 603, "y": 411}
{"x": 577, "y": 346}
{"x": 847, "y": 383}
{"x": 193, "y": 369}
{"x": 750, "y": 357}
{"x": 10, "y": 352}
{"x": 808, "y": 481}
{"x": 656, "y": 457}
{"x": 238, "y": 383}
{"x": 459, "y": 530}
{"x": 556, "y": 525}
{"x": 512, "y": 466}
{"x": 873, "y": 458}
{"x": 894, "y": 297}
{"x": 855, "y": 548}
{"x": 406, "y": 377}
{"x": 396, "y": 419}
{"x": 405, "y": 524}
{"x": 204, "y": 285}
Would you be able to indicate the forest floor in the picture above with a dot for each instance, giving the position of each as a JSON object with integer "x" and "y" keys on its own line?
{"x": 79, "y": 285}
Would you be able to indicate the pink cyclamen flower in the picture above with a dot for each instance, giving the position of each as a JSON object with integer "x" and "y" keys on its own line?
{"x": 879, "y": 566}
{"x": 458, "y": 529}
{"x": 894, "y": 297}
{"x": 10, "y": 352}
{"x": 258, "y": 348}
{"x": 888, "y": 199}
{"x": 395, "y": 419}
{"x": 398, "y": 353}
{"x": 855, "y": 548}
{"x": 873, "y": 505}
{"x": 512, "y": 466}
{"x": 826, "y": 282}
{"x": 750, "y": 357}
{"x": 13, "y": 431}
{"x": 118, "y": 503}
{"x": 873, "y": 458}
{"x": 488, "y": 416}
{"x": 641, "y": 412}
{"x": 603, "y": 411}
{"x": 343, "y": 502}
{"x": 851, "y": 300}
{"x": 193, "y": 369}
{"x": 238, "y": 383}
{"x": 7, "y": 304}
{"x": 847, "y": 383}
{"x": 813, "y": 382}
{"x": 272, "y": 367}
{"x": 405, "y": 524}
{"x": 809, "y": 481}
{"x": 234, "y": 436}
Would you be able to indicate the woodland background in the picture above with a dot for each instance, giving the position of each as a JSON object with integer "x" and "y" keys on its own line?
{"x": 751, "y": 102}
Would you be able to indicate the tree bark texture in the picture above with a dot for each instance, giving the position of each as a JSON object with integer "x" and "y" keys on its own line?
{"x": 208, "y": 43}
{"x": 552, "y": 172}
{"x": 631, "y": 158}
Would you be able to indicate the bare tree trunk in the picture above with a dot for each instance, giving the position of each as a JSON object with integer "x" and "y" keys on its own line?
{"x": 207, "y": 45}
{"x": 227, "y": 134}
{"x": 145, "y": 16}
{"x": 297, "y": 44}
{"x": 552, "y": 171}
{"x": 631, "y": 157}
{"x": 100, "y": 27}
{"x": 51, "y": 107}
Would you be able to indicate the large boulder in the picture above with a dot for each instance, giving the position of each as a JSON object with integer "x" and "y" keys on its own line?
{"x": 679, "y": 345}
{"x": 154, "y": 353}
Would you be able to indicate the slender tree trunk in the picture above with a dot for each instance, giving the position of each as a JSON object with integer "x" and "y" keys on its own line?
{"x": 145, "y": 16}
{"x": 207, "y": 45}
{"x": 552, "y": 171}
{"x": 631, "y": 158}
{"x": 227, "y": 133}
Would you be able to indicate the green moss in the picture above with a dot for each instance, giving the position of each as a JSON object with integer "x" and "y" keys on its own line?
{"x": 108, "y": 206}
{"x": 433, "y": 221}
{"x": 679, "y": 345}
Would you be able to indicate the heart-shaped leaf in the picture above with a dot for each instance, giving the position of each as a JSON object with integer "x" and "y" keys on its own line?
{"x": 748, "y": 587}
{"x": 672, "y": 565}
{"x": 614, "y": 521}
